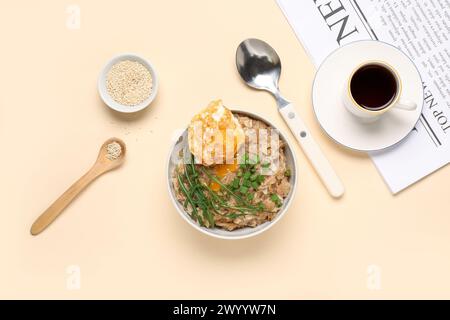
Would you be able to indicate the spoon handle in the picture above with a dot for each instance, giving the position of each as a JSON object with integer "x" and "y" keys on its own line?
{"x": 49, "y": 215}
{"x": 312, "y": 151}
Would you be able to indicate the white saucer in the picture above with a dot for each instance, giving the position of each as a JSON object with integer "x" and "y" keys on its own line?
{"x": 344, "y": 127}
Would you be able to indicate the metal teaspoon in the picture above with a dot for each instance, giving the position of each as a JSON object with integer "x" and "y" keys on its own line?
{"x": 260, "y": 67}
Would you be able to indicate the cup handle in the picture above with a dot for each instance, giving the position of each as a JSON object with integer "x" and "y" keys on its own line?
{"x": 406, "y": 105}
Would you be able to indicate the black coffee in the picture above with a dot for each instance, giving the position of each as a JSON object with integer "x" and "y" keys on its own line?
{"x": 373, "y": 87}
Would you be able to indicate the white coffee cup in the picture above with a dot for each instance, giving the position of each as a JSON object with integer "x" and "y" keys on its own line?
{"x": 365, "y": 113}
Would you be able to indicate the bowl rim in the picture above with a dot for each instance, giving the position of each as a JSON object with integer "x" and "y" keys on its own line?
{"x": 109, "y": 101}
{"x": 269, "y": 224}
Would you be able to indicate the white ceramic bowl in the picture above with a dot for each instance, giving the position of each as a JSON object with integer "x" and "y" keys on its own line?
{"x": 109, "y": 101}
{"x": 244, "y": 232}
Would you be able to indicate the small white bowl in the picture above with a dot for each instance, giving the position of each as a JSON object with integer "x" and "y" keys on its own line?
{"x": 244, "y": 232}
{"x": 109, "y": 101}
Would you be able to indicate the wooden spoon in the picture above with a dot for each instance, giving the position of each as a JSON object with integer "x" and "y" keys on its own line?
{"x": 101, "y": 166}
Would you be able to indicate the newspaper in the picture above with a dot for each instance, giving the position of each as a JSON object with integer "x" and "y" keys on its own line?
{"x": 421, "y": 29}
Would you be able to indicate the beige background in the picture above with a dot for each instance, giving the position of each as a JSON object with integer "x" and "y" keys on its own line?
{"x": 123, "y": 232}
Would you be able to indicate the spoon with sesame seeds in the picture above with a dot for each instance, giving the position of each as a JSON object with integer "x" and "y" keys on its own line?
{"x": 111, "y": 156}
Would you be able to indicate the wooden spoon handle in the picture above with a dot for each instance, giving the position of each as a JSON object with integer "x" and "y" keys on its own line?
{"x": 49, "y": 215}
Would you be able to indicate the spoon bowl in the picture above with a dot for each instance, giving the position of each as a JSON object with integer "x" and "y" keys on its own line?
{"x": 103, "y": 162}
{"x": 258, "y": 64}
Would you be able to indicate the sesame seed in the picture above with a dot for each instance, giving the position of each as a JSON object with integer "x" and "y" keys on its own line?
{"x": 129, "y": 82}
{"x": 113, "y": 151}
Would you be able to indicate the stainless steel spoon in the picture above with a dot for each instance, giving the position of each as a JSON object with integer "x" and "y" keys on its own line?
{"x": 260, "y": 67}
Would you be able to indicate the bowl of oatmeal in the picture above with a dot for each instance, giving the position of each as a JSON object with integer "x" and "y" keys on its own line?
{"x": 237, "y": 198}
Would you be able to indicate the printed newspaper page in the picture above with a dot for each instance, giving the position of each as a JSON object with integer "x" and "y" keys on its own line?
{"x": 421, "y": 29}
